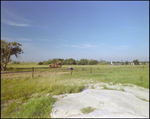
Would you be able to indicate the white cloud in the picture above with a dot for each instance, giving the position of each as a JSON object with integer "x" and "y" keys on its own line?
{"x": 82, "y": 46}
{"x": 74, "y": 46}
{"x": 15, "y": 39}
{"x": 14, "y": 24}
{"x": 8, "y": 14}
{"x": 24, "y": 39}
{"x": 7, "y": 39}
{"x": 12, "y": 19}
{"x": 88, "y": 46}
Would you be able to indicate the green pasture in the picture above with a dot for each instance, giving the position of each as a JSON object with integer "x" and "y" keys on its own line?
{"x": 24, "y": 96}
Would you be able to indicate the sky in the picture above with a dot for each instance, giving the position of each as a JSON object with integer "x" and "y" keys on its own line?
{"x": 99, "y": 30}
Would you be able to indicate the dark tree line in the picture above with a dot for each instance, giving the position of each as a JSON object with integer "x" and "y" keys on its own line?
{"x": 71, "y": 61}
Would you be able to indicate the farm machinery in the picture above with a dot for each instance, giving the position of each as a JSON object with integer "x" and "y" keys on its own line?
{"x": 56, "y": 65}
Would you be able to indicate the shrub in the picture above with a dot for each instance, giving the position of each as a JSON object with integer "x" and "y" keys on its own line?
{"x": 40, "y": 63}
{"x": 16, "y": 62}
{"x": 136, "y": 62}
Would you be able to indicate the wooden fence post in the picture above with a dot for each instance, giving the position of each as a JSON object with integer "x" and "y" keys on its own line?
{"x": 32, "y": 72}
{"x": 71, "y": 72}
{"x": 91, "y": 70}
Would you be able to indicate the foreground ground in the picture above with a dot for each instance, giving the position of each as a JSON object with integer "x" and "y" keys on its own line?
{"x": 116, "y": 101}
{"x": 24, "y": 96}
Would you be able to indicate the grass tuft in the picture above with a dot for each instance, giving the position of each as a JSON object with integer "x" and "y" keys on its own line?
{"x": 105, "y": 87}
{"x": 87, "y": 110}
{"x": 37, "y": 108}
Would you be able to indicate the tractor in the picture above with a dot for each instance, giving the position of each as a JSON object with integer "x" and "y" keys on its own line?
{"x": 56, "y": 65}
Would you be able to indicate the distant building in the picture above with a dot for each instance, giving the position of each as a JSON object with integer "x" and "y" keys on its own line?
{"x": 132, "y": 63}
{"x": 111, "y": 62}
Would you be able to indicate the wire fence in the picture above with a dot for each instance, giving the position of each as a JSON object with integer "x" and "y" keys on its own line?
{"x": 91, "y": 70}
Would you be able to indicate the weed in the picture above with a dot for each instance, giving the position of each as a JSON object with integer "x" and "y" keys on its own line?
{"x": 105, "y": 87}
{"x": 92, "y": 87}
{"x": 87, "y": 110}
{"x": 121, "y": 89}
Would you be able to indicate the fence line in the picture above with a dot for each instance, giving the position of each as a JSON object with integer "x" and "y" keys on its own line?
{"x": 30, "y": 68}
{"x": 56, "y": 69}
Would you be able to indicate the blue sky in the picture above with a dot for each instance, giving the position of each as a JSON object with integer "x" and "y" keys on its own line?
{"x": 107, "y": 30}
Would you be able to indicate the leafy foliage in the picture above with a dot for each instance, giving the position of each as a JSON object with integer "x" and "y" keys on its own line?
{"x": 71, "y": 61}
{"x": 126, "y": 62}
{"x": 7, "y": 50}
{"x": 93, "y": 62}
{"x": 16, "y": 62}
{"x": 136, "y": 62}
{"x": 40, "y": 63}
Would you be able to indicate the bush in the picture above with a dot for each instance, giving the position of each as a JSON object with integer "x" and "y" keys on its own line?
{"x": 126, "y": 62}
{"x": 16, "y": 62}
{"x": 40, "y": 63}
{"x": 136, "y": 62}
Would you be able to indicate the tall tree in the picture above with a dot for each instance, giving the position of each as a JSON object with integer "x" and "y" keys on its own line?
{"x": 83, "y": 61}
{"x": 7, "y": 50}
{"x": 136, "y": 62}
{"x": 71, "y": 61}
{"x": 126, "y": 62}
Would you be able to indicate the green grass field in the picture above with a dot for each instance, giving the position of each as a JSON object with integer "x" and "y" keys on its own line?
{"x": 24, "y": 96}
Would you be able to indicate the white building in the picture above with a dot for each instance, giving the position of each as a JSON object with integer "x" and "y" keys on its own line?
{"x": 111, "y": 62}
